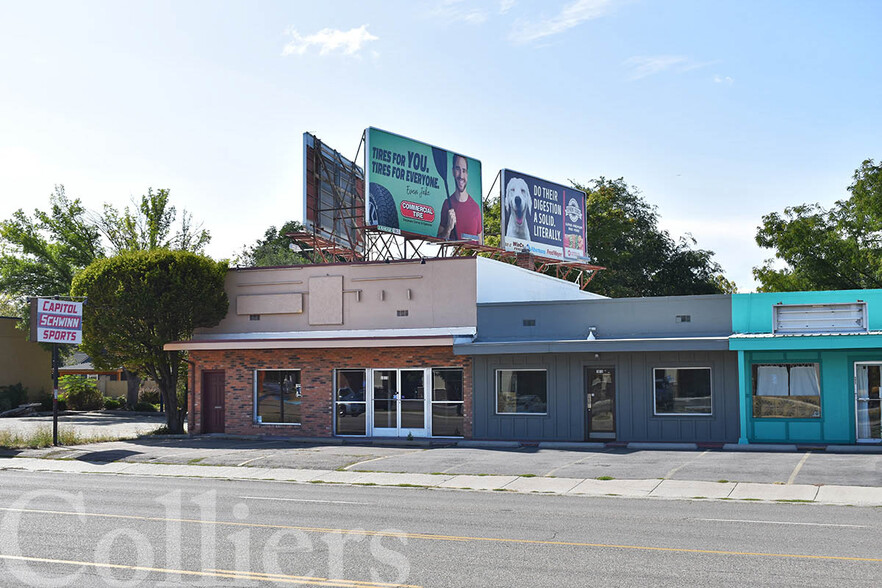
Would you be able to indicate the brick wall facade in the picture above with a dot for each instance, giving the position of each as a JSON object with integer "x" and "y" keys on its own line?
{"x": 316, "y": 379}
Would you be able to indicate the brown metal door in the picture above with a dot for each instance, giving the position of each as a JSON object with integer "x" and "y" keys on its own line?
{"x": 213, "y": 401}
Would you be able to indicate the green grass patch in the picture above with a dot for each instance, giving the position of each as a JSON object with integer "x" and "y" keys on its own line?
{"x": 699, "y": 498}
{"x": 528, "y": 475}
{"x": 793, "y": 500}
{"x": 195, "y": 461}
{"x": 605, "y": 478}
{"x": 404, "y": 485}
{"x": 42, "y": 437}
{"x": 751, "y": 499}
{"x": 722, "y": 481}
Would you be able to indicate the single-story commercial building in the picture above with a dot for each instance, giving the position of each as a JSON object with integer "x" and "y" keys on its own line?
{"x": 809, "y": 365}
{"x": 469, "y": 347}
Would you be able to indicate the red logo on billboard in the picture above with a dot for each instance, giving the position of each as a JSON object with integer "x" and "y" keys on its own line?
{"x": 421, "y": 212}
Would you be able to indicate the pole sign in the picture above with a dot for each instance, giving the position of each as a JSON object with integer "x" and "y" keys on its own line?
{"x": 416, "y": 188}
{"x": 541, "y": 217}
{"x": 56, "y": 321}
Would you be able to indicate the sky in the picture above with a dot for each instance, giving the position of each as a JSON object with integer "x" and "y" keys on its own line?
{"x": 719, "y": 112}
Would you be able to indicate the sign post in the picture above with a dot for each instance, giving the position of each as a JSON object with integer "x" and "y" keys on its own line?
{"x": 56, "y": 321}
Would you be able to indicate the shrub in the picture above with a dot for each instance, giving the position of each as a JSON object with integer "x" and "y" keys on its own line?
{"x": 149, "y": 395}
{"x": 146, "y": 407}
{"x": 81, "y": 393}
{"x": 111, "y": 403}
{"x": 12, "y": 396}
{"x": 45, "y": 400}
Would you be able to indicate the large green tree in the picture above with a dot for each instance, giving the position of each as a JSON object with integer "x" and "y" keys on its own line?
{"x": 640, "y": 258}
{"x": 150, "y": 224}
{"x": 140, "y": 300}
{"x": 40, "y": 254}
{"x": 826, "y": 249}
{"x": 274, "y": 249}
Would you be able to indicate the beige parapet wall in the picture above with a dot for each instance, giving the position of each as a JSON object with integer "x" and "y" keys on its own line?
{"x": 23, "y": 361}
{"x": 397, "y": 295}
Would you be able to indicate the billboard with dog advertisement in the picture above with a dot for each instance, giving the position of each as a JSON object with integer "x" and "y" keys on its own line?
{"x": 544, "y": 218}
{"x": 415, "y": 188}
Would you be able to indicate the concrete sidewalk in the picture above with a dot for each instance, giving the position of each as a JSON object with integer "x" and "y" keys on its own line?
{"x": 634, "y": 488}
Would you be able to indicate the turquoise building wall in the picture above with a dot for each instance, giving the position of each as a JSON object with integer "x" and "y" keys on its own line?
{"x": 835, "y": 354}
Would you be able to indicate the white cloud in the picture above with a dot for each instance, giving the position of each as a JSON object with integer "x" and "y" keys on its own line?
{"x": 506, "y": 5}
{"x": 571, "y": 15}
{"x": 644, "y": 66}
{"x": 453, "y": 10}
{"x": 328, "y": 41}
{"x": 718, "y": 79}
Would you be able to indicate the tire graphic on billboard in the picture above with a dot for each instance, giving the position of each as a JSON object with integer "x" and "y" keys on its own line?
{"x": 381, "y": 207}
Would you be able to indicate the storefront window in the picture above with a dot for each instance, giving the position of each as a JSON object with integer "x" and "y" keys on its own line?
{"x": 447, "y": 403}
{"x": 682, "y": 391}
{"x": 350, "y": 403}
{"x": 521, "y": 392}
{"x": 277, "y": 396}
{"x": 787, "y": 390}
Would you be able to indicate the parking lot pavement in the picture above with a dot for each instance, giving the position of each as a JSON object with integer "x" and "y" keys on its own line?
{"x": 787, "y": 469}
{"x": 89, "y": 424}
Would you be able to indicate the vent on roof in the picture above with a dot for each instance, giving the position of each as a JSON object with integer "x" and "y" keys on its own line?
{"x": 820, "y": 318}
{"x": 529, "y": 322}
{"x": 254, "y": 317}
{"x": 683, "y": 318}
{"x": 401, "y": 313}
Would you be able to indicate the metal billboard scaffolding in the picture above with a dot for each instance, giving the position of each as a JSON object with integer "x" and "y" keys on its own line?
{"x": 333, "y": 202}
{"x": 336, "y": 229}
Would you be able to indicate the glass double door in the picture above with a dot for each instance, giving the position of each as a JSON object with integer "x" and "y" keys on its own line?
{"x": 867, "y": 383}
{"x": 399, "y": 402}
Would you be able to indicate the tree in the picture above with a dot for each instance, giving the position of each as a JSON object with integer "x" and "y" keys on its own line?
{"x": 39, "y": 255}
{"x": 624, "y": 237}
{"x": 835, "y": 249}
{"x": 274, "y": 249}
{"x": 149, "y": 226}
{"x": 641, "y": 259}
{"x": 140, "y": 300}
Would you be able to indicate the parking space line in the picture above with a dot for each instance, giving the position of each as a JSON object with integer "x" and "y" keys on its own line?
{"x": 578, "y": 461}
{"x": 671, "y": 473}
{"x": 352, "y": 465}
{"x": 798, "y": 467}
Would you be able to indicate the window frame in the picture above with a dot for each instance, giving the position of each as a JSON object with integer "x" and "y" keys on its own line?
{"x": 257, "y": 419}
{"x": 497, "y": 383}
{"x": 368, "y": 409}
{"x": 679, "y": 414}
{"x": 754, "y": 384}
{"x": 432, "y": 400}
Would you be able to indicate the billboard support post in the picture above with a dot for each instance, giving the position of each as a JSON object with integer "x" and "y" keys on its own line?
{"x": 55, "y": 394}
{"x": 53, "y": 320}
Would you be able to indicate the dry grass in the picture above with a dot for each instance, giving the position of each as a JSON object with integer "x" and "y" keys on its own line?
{"x": 42, "y": 437}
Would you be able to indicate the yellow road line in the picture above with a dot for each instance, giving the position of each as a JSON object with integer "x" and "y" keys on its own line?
{"x": 432, "y": 537}
{"x": 232, "y": 574}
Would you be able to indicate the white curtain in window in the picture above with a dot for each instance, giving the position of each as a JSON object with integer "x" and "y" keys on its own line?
{"x": 863, "y": 408}
{"x": 771, "y": 380}
{"x": 804, "y": 381}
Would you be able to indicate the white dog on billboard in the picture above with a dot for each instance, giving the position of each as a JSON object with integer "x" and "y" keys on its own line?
{"x": 518, "y": 208}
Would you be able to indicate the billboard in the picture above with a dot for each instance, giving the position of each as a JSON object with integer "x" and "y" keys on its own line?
{"x": 420, "y": 189}
{"x": 544, "y": 218}
{"x": 333, "y": 194}
{"x": 56, "y": 321}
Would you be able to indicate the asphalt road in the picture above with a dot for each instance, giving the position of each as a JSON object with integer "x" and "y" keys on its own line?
{"x": 86, "y": 530}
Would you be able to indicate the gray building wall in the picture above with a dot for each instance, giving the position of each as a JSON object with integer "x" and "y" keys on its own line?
{"x": 635, "y": 419}
{"x": 634, "y": 336}
{"x": 613, "y": 318}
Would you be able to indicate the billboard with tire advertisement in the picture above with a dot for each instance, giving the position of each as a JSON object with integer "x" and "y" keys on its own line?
{"x": 541, "y": 217}
{"x": 415, "y": 188}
